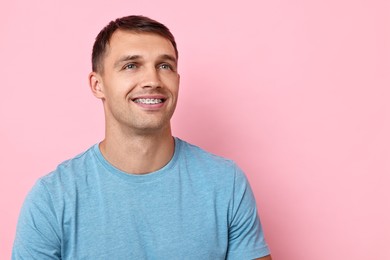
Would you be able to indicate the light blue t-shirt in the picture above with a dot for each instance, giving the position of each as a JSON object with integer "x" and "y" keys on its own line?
{"x": 199, "y": 206}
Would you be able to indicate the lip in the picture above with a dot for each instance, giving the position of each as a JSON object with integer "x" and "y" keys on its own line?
{"x": 151, "y": 107}
{"x": 149, "y": 96}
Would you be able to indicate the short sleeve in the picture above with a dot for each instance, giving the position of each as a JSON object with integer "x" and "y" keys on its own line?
{"x": 246, "y": 238}
{"x": 37, "y": 234}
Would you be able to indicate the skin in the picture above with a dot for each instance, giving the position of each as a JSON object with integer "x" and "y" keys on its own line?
{"x": 138, "y": 139}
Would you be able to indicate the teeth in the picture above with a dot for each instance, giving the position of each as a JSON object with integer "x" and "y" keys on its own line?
{"x": 148, "y": 101}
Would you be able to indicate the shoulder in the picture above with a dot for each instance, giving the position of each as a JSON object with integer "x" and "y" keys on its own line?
{"x": 197, "y": 154}
{"x": 206, "y": 163}
{"x": 69, "y": 172}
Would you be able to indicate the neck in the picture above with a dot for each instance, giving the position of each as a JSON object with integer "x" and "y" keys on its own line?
{"x": 138, "y": 154}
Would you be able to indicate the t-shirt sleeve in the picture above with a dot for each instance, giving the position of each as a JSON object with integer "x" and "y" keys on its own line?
{"x": 246, "y": 238}
{"x": 37, "y": 234}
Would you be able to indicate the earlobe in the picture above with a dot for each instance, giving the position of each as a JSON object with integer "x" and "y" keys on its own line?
{"x": 95, "y": 83}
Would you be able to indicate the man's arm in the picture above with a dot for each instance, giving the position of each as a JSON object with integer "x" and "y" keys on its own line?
{"x": 246, "y": 238}
{"x": 37, "y": 234}
{"x": 268, "y": 257}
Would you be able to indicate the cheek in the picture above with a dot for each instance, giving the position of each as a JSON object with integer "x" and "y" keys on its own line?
{"x": 175, "y": 90}
{"x": 174, "y": 83}
{"x": 120, "y": 86}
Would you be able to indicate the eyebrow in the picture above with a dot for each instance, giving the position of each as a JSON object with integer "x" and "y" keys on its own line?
{"x": 168, "y": 57}
{"x": 127, "y": 58}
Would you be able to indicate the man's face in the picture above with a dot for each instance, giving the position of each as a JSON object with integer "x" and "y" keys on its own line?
{"x": 139, "y": 84}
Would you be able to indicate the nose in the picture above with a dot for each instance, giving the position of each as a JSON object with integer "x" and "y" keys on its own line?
{"x": 151, "y": 78}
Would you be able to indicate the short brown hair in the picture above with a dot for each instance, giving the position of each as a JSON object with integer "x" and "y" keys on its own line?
{"x": 135, "y": 23}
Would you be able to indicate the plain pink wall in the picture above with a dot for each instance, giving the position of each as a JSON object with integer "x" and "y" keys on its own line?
{"x": 296, "y": 92}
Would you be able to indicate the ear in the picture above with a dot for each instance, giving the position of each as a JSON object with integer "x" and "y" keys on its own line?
{"x": 96, "y": 85}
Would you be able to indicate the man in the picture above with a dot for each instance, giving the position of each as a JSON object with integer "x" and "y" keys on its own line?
{"x": 140, "y": 193}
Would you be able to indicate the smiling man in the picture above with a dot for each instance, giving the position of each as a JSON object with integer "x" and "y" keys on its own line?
{"x": 140, "y": 193}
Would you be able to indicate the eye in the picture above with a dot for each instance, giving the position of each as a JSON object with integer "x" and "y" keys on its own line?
{"x": 166, "y": 66}
{"x": 130, "y": 66}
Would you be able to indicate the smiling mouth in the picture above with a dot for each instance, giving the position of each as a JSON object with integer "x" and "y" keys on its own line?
{"x": 149, "y": 101}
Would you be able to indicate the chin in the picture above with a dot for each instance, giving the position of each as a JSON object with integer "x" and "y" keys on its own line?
{"x": 153, "y": 128}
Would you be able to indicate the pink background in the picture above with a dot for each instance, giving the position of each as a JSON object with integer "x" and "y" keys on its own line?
{"x": 296, "y": 92}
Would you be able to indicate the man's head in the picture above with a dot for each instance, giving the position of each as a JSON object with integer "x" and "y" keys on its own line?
{"x": 135, "y": 75}
{"x": 133, "y": 23}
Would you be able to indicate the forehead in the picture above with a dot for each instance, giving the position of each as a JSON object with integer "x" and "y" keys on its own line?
{"x": 124, "y": 42}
